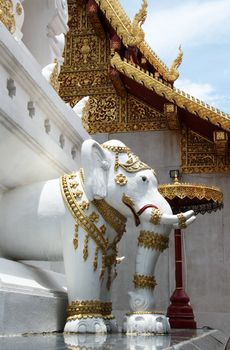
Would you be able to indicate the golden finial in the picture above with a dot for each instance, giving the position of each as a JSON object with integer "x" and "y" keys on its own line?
{"x": 174, "y": 73}
{"x": 141, "y": 15}
{"x": 136, "y": 32}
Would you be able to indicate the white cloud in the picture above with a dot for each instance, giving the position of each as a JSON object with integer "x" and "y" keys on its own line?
{"x": 192, "y": 23}
{"x": 203, "y": 91}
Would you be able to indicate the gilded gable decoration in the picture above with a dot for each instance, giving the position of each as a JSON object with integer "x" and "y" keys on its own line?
{"x": 199, "y": 154}
{"x": 103, "y": 115}
{"x": 115, "y": 14}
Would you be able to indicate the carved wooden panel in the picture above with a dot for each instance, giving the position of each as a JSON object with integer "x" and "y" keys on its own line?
{"x": 112, "y": 113}
{"x": 85, "y": 72}
{"x": 86, "y": 58}
{"x": 199, "y": 154}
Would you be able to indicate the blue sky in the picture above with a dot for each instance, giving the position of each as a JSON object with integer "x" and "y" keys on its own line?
{"x": 202, "y": 27}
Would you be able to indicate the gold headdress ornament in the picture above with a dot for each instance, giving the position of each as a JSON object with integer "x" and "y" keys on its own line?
{"x": 132, "y": 165}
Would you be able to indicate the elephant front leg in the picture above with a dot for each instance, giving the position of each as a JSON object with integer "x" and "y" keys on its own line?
{"x": 83, "y": 265}
{"x": 142, "y": 318}
{"x": 106, "y": 287}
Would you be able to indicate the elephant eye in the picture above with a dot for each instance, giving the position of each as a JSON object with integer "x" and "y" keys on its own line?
{"x": 144, "y": 178}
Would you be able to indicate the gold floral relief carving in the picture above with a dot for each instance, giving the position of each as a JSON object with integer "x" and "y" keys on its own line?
{"x": 85, "y": 51}
{"x": 78, "y": 19}
{"x": 86, "y": 59}
{"x": 139, "y": 112}
{"x": 198, "y": 154}
{"x": 103, "y": 109}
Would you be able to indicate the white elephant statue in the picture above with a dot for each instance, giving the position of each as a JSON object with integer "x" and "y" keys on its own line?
{"x": 80, "y": 218}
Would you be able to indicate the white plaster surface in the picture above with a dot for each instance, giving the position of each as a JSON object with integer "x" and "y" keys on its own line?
{"x": 30, "y": 152}
{"x": 32, "y": 119}
{"x": 31, "y": 299}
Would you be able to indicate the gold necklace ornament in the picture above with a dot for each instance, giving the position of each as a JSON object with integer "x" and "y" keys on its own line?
{"x": 79, "y": 215}
{"x": 112, "y": 216}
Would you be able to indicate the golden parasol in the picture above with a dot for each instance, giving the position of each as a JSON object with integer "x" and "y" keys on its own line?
{"x": 186, "y": 196}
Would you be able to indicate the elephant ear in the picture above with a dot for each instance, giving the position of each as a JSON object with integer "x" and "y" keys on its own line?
{"x": 96, "y": 166}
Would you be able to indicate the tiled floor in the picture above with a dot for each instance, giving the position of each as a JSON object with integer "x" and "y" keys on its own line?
{"x": 90, "y": 341}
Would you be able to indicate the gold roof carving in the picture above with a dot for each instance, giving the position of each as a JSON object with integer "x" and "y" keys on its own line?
{"x": 180, "y": 98}
{"x": 137, "y": 34}
{"x": 174, "y": 73}
{"x": 116, "y": 15}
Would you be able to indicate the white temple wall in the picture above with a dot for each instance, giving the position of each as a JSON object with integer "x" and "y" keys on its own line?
{"x": 206, "y": 242}
{"x": 40, "y": 139}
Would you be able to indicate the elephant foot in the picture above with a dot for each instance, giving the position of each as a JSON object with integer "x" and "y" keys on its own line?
{"x": 146, "y": 322}
{"x": 111, "y": 325}
{"x": 86, "y": 325}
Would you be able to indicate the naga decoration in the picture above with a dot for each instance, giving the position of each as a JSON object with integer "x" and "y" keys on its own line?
{"x": 136, "y": 33}
{"x": 174, "y": 73}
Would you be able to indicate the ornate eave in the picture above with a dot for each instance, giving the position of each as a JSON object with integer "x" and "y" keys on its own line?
{"x": 118, "y": 19}
{"x": 180, "y": 98}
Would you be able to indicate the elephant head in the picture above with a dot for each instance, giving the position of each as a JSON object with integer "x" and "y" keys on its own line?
{"x": 114, "y": 173}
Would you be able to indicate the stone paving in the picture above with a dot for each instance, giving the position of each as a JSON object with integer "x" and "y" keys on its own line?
{"x": 178, "y": 339}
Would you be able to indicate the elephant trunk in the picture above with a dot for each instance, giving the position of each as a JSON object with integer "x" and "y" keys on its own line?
{"x": 150, "y": 245}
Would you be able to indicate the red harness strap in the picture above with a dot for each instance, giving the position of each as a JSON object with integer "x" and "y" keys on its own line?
{"x": 146, "y": 207}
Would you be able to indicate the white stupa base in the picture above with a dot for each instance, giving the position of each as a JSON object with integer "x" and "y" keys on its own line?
{"x": 139, "y": 323}
{"x": 86, "y": 325}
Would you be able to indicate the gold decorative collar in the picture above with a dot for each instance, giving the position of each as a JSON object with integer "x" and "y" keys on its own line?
{"x": 79, "y": 215}
{"x": 112, "y": 216}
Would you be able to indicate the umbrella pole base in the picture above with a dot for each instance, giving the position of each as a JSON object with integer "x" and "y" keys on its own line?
{"x": 180, "y": 312}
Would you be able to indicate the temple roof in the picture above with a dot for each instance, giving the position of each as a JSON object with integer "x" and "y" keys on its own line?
{"x": 131, "y": 89}
{"x": 119, "y": 20}
{"x": 180, "y": 98}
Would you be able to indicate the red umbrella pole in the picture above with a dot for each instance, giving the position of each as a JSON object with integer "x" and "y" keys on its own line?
{"x": 180, "y": 312}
